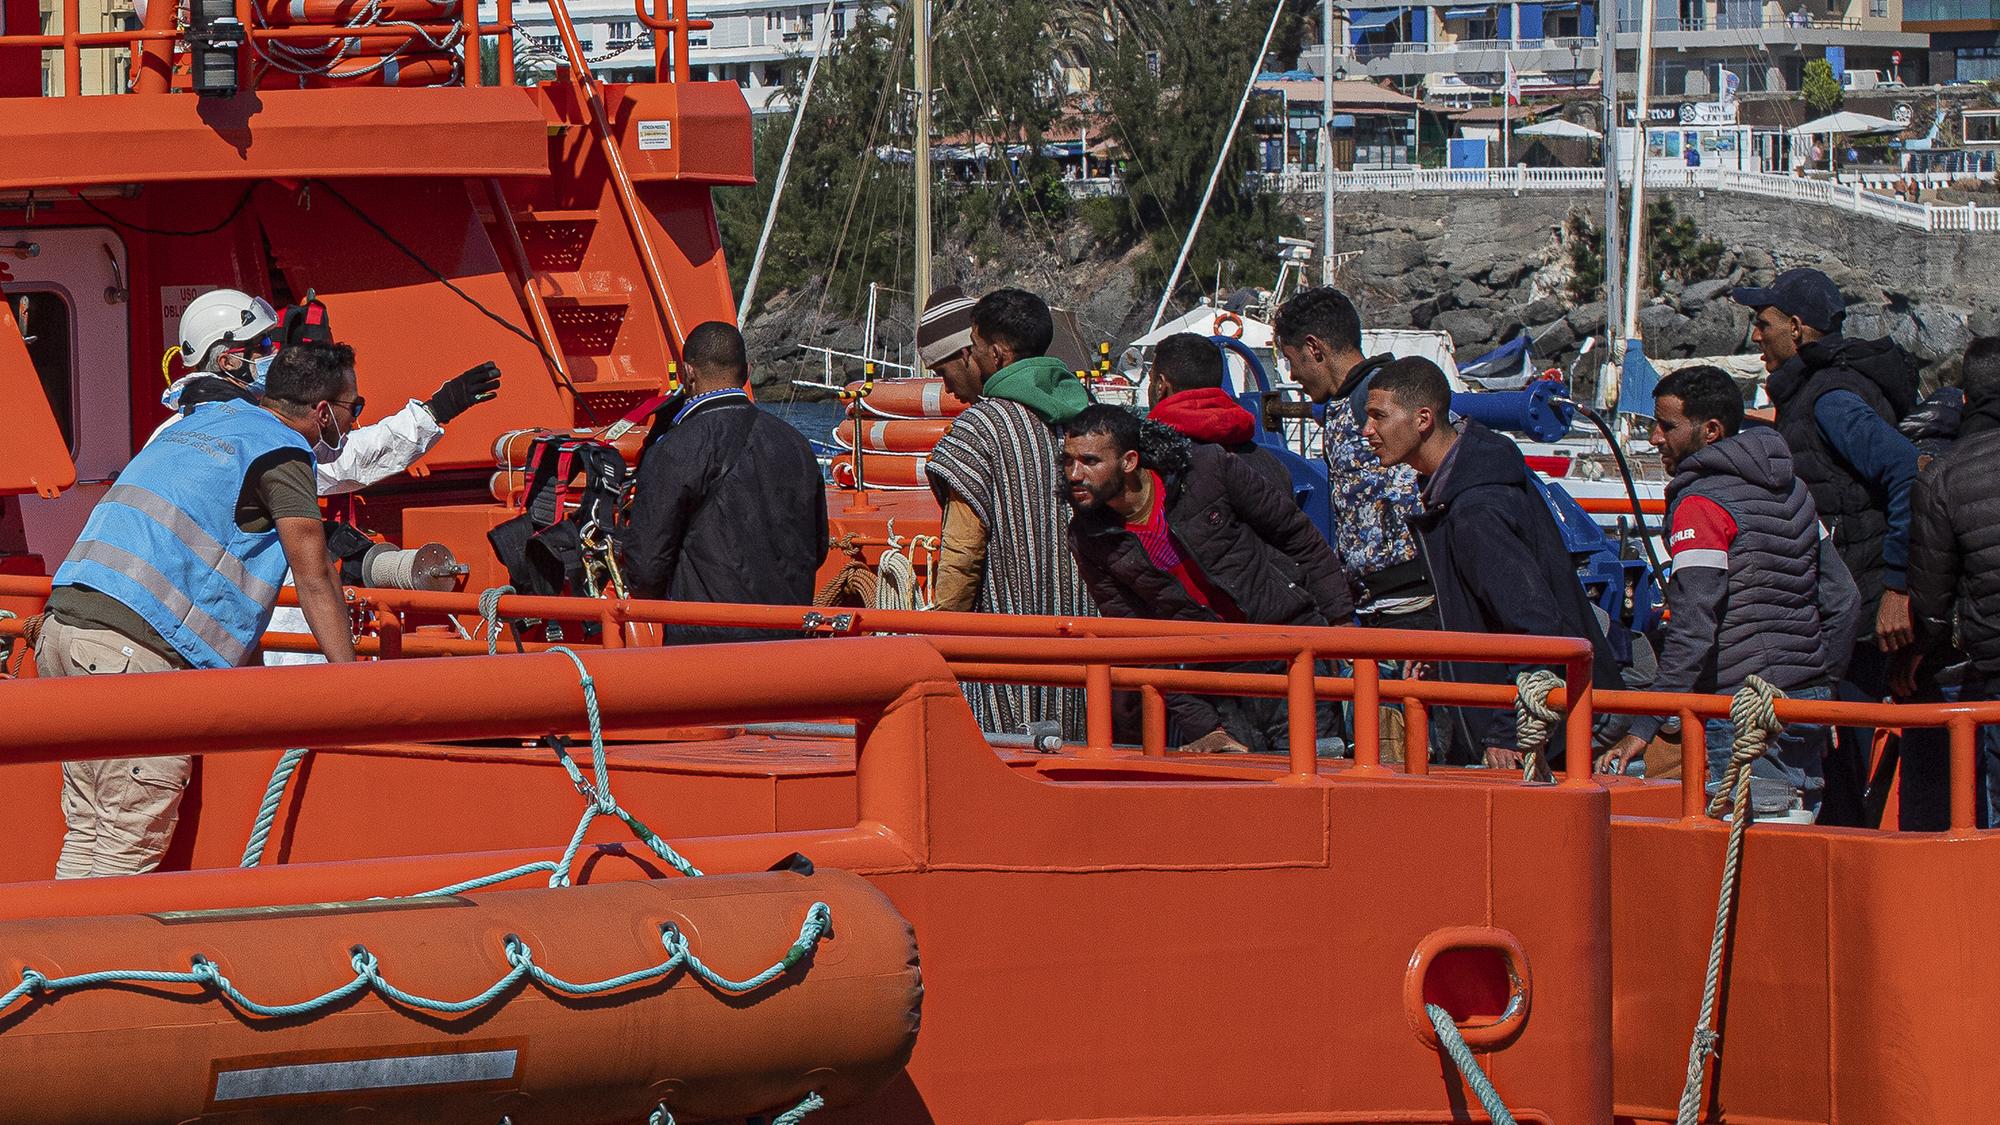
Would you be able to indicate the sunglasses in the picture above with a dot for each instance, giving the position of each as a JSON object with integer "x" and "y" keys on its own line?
{"x": 353, "y": 406}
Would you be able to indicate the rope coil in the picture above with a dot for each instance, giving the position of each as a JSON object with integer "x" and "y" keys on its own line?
{"x": 895, "y": 579}
{"x": 1535, "y": 721}
{"x": 1753, "y": 714}
{"x": 854, "y": 581}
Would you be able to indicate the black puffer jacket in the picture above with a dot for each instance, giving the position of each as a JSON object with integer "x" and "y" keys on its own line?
{"x": 1246, "y": 536}
{"x": 729, "y": 507}
{"x": 1885, "y": 377}
{"x": 1498, "y": 565}
{"x": 1955, "y": 549}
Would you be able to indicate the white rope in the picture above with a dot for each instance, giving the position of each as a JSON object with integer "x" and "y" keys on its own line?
{"x": 926, "y": 595}
{"x": 895, "y": 577}
{"x": 1535, "y": 721}
{"x": 1756, "y": 722}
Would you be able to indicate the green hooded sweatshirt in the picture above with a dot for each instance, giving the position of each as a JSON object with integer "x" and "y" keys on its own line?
{"x": 1043, "y": 384}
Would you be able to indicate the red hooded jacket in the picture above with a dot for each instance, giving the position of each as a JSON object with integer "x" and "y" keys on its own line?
{"x": 1209, "y": 416}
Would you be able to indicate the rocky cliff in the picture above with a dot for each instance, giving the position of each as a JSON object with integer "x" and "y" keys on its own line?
{"x": 1485, "y": 267}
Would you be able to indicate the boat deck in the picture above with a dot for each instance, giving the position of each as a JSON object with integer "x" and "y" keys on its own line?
{"x": 388, "y": 799}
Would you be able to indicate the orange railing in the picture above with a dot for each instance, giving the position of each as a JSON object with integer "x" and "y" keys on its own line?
{"x": 1104, "y": 655}
{"x": 153, "y": 45}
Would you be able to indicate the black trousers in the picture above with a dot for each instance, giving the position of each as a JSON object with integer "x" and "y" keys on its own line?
{"x": 1923, "y": 765}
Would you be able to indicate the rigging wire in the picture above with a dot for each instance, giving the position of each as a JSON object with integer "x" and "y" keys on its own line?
{"x": 555, "y": 368}
{"x": 159, "y": 232}
{"x": 861, "y": 177}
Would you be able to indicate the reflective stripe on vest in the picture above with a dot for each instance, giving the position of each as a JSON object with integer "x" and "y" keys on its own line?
{"x": 165, "y": 543}
{"x": 191, "y": 534}
{"x": 138, "y": 570}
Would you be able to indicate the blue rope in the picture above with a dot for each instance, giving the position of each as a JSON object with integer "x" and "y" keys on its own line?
{"x": 260, "y": 833}
{"x": 662, "y": 1116}
{"x": 1461, "y": 1057}
{"x": 598, "y": 790}
{"x": 368, "y": 976}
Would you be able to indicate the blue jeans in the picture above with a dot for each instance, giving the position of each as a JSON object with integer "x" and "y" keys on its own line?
{"x": 1983, "y": 687}
{"x": 1799, "y": 757}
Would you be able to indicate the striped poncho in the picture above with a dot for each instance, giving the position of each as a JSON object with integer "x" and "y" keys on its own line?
{"x": 1001, "y": 459}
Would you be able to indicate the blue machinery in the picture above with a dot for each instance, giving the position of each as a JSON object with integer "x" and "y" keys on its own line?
{"x": 1615, "y": 571}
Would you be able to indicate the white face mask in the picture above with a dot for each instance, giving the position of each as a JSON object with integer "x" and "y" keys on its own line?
{"x": 259, "y": 370}
{"x": 322, "y": 452}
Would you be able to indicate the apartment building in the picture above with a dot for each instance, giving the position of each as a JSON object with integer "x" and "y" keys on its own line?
{"x": 104, "y": 70}
{"x": 1964, "y": 35}
{"x": 754, "y": 43}
{"x": 1453, "y": 50}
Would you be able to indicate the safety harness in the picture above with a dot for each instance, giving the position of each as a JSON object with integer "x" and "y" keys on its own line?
{"x": 574, "y": 488}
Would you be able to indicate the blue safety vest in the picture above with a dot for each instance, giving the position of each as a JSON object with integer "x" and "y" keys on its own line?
{"x": 165, "y": 543}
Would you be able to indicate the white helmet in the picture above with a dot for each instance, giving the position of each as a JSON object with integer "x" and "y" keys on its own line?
{"x": 224, "y": 317}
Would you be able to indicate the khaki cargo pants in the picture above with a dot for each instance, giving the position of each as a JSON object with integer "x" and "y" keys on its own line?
{"x": 121, "y": 812}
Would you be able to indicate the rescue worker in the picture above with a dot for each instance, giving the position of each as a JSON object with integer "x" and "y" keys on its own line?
{"x": 1838, "y": 403}
{"x": 1495, "y": 556}
{"x": 229, "y": 340}
{"x": 1190, "y": 532}
{"x": 179, "y": 566}
{"x": 729, "y": 506}
{"x": 1757, "y": 587}
{"x": 1188, "y": 395}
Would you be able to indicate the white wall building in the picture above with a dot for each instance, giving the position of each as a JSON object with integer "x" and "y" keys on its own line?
{"x": 753, "y": 43}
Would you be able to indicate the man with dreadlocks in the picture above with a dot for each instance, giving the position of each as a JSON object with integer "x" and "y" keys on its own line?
{"x": 994, "y": 473}
{"x": 1165, "y": 529}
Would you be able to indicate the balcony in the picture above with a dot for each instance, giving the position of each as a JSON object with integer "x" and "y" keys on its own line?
{"x": 1950, "y": 11}
{"x": 1565, "y": 53}
{"x": 1797, "y": 21}
{"x": 1755, "y": 30}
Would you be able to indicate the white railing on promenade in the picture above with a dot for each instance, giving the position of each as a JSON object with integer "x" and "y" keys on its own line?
{"x": 1851, "y": 197}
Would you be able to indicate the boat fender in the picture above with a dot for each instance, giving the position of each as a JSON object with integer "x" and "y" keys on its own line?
{"x": 840, "y": 1021}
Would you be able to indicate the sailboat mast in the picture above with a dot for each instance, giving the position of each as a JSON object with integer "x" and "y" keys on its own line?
{"x": 1326, "y": 142}
{"x": 921, "y": 53}
{"x": 1614, "y": 287}
{"x": 1634, "y": 233}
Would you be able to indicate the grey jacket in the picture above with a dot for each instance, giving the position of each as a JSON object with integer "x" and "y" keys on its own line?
{"x": 1758, "y": 588}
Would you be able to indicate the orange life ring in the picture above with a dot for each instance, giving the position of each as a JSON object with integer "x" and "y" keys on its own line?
{"x": 885, "y": 470}
{"x": 910, "y": 398}
{"x": 1223, "y": 318}
{"x": 894, "y": 435}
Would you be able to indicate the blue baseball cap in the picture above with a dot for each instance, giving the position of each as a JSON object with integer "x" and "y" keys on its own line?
{"x": 1807, "y": 294}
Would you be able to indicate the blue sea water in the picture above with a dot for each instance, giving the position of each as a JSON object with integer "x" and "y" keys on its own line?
{"x": 813, "y": 419}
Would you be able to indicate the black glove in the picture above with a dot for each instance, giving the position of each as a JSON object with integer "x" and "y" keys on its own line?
{"x": 461, "y": 394}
